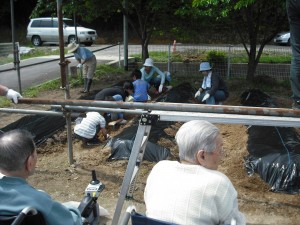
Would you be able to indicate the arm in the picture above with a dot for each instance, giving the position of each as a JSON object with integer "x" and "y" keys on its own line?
{"x": 3, "y": 90}
{"x": 10, "y": 93}
{"x": 162, "y": 75}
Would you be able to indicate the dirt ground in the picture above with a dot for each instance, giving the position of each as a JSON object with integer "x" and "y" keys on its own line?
{"x": 67, "y": 182}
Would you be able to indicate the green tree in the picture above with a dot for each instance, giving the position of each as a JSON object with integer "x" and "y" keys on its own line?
{"x": 143, "y": 16}
{"x": 255, "y": 21}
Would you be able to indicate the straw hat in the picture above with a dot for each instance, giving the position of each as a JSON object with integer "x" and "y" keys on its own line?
{"x": 72, "y": 47}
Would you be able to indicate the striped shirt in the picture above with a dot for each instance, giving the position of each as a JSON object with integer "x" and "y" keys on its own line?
{"x": 87, "y": 127}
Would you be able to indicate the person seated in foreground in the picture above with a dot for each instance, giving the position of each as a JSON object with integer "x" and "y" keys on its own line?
{"x": 18, "y": 158}
{"x": 192, "y": 191}
{"x": 213, "y": 89}
{"x": 149, "y": 72}
{"x": 88, "y": 126}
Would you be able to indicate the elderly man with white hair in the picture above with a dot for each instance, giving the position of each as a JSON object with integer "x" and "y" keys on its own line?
{"x": 192, "y": 191}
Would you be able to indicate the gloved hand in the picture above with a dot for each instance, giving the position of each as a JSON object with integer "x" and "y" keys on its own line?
{"x": 206, "y": 96}
{"x": 79, "y": 66}
{"x": 129, "y": 98}
{"x": 149, "y": 98}
{"x": 197, "y": 94}
{"x": 13, "y": 95}
{"x": 160, "y": 88}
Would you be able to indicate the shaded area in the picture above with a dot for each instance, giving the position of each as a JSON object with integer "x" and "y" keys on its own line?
{"x": 274, "y": 152}
{"x": 122, "y": 144}
{"x": 40, "y": 126}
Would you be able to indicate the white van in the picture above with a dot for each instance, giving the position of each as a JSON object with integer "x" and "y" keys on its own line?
{"x": 45, "y": 30}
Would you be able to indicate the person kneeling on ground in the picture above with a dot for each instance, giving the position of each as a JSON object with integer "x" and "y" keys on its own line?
{"x": 149, "y": 70}
{"x": 192, "y": 191}
{"x": 88, "y": 127}
{"x": 213, "y": 89}
{"x": 115, "y": 118}
{"x": 140, "y": 86}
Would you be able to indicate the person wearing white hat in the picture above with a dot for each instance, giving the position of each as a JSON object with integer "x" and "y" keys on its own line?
{"x": 213, "y": 89}
{"x": 10, "y": 94}
{"x": 87, "y": 61}
{"x": 148, "y": 72}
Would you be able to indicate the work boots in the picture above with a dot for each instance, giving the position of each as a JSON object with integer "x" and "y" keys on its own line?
{"x": 85, "y": 80}
{"x": 88, "y": 86}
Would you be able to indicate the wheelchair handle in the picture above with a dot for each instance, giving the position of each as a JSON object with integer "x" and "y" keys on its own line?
{"x": 23, "y": 214}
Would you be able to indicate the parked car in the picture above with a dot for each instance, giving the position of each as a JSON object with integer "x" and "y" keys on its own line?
{"x": 282, "y": 38}
{"x": 45, "y": 30}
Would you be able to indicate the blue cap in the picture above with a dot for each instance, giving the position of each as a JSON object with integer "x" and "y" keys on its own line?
{"x": 204, "y": 66}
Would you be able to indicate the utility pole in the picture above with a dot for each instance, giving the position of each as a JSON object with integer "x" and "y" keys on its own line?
{"x": 15, "y": 49}
{"x": 125, "y": 35}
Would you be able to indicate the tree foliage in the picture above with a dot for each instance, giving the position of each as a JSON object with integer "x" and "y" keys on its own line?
{"x": 143, "y": 16}
{"x": 255, "y": 21}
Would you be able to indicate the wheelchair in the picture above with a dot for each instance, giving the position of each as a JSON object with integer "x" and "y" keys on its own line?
{"x": 28, "y": 216}
{"x": 140, "y": 219}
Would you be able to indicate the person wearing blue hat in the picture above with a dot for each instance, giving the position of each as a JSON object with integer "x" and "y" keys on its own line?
{"x": 213, "y": 89}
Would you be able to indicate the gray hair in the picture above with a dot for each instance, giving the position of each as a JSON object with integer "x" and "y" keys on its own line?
{"x": 196, "y": 135}
{"x": 15, "y": 147}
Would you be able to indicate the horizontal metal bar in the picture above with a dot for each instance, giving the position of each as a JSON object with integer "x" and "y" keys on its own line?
{"x": 229, "y": 119}
{"x": 182, "y": 107}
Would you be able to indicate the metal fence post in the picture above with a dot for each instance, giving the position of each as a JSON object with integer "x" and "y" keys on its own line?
{"x": 169, "y": 58}
{"x": 228, "y": 61}
{"x": 119, "y": 54}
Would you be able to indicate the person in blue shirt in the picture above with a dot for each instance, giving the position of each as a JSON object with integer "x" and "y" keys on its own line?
{"x": 87, "y": 61}
{"x": 115, "y": 118}
{"x": 140, "y": 87}
{"x": 148, "y": 74}
{"x": 18, "y": 158}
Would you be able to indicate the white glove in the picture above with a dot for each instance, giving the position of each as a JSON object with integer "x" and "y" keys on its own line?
{"x": 206, "y": 96}
{"x": 160, "y": 88}
{"x": 79, "y": 66}
{"x": 13, "y": 95}
{"x": 129, "y": 98}
{"x": 149, "y": 98}
{"x": 197, "y": 94}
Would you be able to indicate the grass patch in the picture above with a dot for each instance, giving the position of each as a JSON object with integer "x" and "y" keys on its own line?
{"x": 38, "y": 52}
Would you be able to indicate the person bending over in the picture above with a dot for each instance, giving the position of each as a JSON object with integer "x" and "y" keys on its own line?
{"x": 87, "y": 61}
{"x": 192, "y": 191}
{"x": 148, "y": 74}
{"x": 213, "y": 89}
{"x": 18, "y": 158}
{"x": 9, "y": 93}
{"x": 88, "y": 126}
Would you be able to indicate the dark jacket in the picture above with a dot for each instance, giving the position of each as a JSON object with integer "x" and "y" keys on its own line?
{"x": 100, "y": 96}
{"x": 217, "y": 83}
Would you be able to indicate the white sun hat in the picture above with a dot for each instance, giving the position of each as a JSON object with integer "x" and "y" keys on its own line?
{"x": 72, "y": 47}
{"x": 148, "y": 62}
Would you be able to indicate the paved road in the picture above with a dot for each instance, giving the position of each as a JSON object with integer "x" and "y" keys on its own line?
{"x": 34, "y": 75}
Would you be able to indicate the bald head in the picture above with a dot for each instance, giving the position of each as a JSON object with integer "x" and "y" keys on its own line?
{"x": 15, "y": 147}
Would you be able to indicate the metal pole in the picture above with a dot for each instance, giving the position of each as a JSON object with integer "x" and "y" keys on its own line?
{"x": 119, "y": 54}
{"x": 125, "y": 35}
{"x": 169, "y": 58}
{"x": 182, "y": 107}
{"x": 15, "y": 49}
{"x": 228, "y": 61}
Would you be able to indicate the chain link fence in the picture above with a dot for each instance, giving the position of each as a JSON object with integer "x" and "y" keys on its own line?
{"x": 229, "y": 60}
